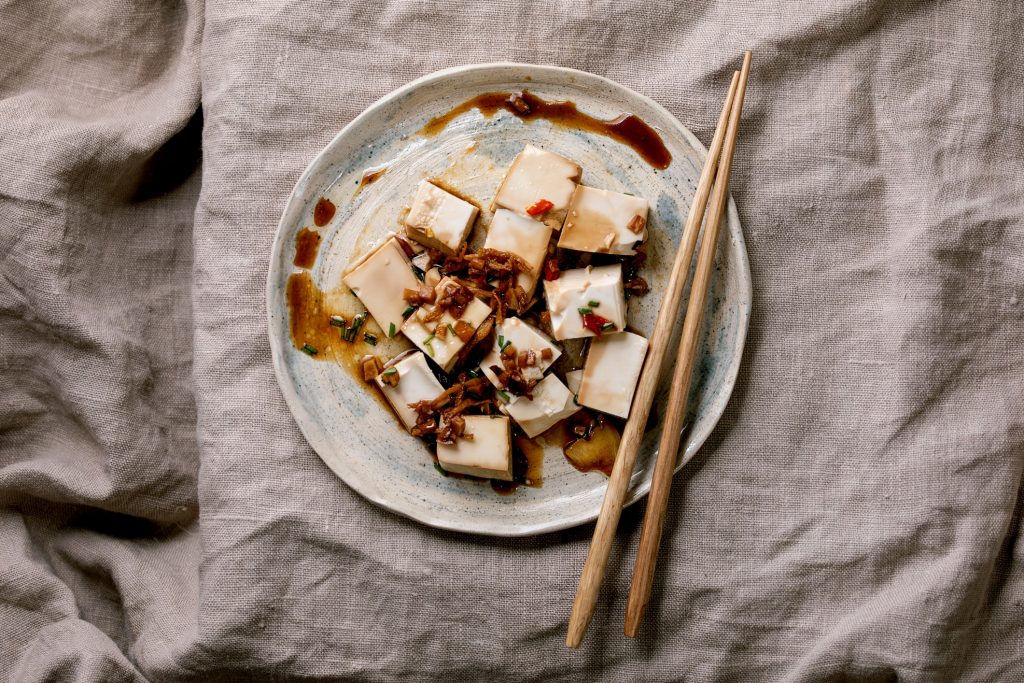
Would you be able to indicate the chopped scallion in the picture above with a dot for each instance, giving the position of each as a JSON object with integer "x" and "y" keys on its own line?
{"x": 451, "y": 329}
{"x": 608, "y": 326}
{"x": 443, "y": 471}
{"x": 501, "y": 342}
{"x": 311, "y": 350}
{"x": 391, "y": 330}
{"x": 474, "y": 373}
{"x": 584, "y": 311}
{"x": 426, "y": 343}
{"x": 390, "y": 371}
{"x": 370, "y": 339}
{"x": 504, "y": 396}
{"x": 593, "y": 304}
{"x": 418, "y": 272}
{"x": 338, "y": 321}
{"x": 408, "y": 311}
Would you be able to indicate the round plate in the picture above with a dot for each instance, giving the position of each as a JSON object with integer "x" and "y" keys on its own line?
{"x": 358, "y": 437}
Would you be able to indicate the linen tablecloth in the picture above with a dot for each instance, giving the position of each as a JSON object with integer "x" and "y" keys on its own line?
{"x": 854, "y": 517}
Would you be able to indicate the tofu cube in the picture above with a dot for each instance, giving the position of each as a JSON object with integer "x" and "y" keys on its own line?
{"x": 573, "y": 378}
{"x": 488, "y": 454}
{"x": 604, "y": 222}
{"x": 524, "y": 337}
{"x": 524, "y": 237}
{"x": 380, "y": 279}
{"x": 420, "y": 332}
{"x": 415, "y": 383}
{"x": 439, "y": 219}
{"x": 598, "y": 289}
{"x": 536, "y": 175}
{"x": 551, "y": 402}
{"x": 611, "y": 373}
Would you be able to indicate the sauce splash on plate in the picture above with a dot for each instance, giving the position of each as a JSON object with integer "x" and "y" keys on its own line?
{"x": 629, "y": 129}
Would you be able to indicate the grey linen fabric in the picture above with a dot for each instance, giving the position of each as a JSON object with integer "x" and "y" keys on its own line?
{"x": 854, "y": 517}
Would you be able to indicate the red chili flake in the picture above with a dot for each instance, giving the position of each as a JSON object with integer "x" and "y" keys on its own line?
{"x": 540, "y": 207}
{"x": 594, "y": 322}
{"x": 551, "y": 271}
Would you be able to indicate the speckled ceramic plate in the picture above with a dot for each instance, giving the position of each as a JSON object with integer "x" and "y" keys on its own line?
{"x": 349, "y": 428}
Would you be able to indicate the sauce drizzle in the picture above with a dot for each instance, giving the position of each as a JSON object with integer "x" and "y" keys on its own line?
{"x": 629, "y": 129}
{"x": 307, "y": 243}
{"x": 323, "y": 212}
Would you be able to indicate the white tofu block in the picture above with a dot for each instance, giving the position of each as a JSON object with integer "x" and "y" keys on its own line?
{"x": 524, "y": 337}
{"x": 488, "y": 454}
{"x": 445, "y": 351}
{"x": 439, "y": 219}
{"x": 611, "y": 373}
{"x": 552, "y": 402}
{"x": 380, "y": 279}
{"x": 535, "y": 175}
{"x": 599, "y": 221}
{"x": 576, "y": 289}
{"x": 415, "y": 383}
{"x": 524, "y": 237}
{"x": 573, "y": 378}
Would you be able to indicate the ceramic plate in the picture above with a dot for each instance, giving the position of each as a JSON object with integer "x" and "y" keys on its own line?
{"x": 356, "y": 435}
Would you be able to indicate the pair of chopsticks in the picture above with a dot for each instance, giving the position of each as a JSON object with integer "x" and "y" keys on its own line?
{"x": 716, "y": 174}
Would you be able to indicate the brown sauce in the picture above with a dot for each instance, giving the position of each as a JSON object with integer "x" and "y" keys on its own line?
{"x": 323, "y": 212}
{"x": 628, "y": 129}
{"x": 527, "y": 466}
{"x": 370, "y": 178}
{"x": 307, "y": 243}
{"x": 596, "y": 448}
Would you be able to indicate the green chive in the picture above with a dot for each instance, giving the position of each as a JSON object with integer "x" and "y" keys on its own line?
{"x": 593, "y": 304}
{"x": 338, "y": 321}
{"x": 504, "y": 396}
{"x": 418, "y": 272}
{"x": 451, "y": 329}
{"x": 443, "y": 471}
{"x": 474, "y": 373}
{"x": 584, "y": 311}
{"x": 311, "y": 350}
{"x": 501, "y": 342}
{"x": 369, "y": 339}
{"x": 608, "y": 326}
{"x": 390, "y": 371}
{"x": 408, "y": 311}
{"x": 391, "y": 330}
{"x": 426, "y": 343}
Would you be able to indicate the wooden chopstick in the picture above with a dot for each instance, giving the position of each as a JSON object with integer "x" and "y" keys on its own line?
{"x": 615, "y": 495}
{"x": 668, "y": 447}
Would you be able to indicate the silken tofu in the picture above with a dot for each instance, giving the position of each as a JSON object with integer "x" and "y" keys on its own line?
{"x": 538, "y": 176}
{"x": 604, "y": 222}
{"x": 439, "y": 219}
{"x": 524, "y": 337}
{"x": 380, "y": 279}
{"x": 488, "y": 454}
{"x": 611, "y": 372}
{"x": 444, "y": 351}
{"x": 598, "y": 290}
{"x": 573, "y": 379}
{"x": 523, "y": 237}
{"x": 415, "y": 383}
{"x": 551, "y": 402}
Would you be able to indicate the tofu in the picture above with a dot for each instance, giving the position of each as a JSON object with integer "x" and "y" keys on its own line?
{"x": 573, "y": 378}
{"x": 488, "y": 455}
{"x": 576, "y": 289}
{"x": 604, "y": 222}
{"x": 552, "y": 402}
{"x": 415, "y": 383}
{"x": 611, "y": 373}
{"x": 439, "y": 219}
{"x": 526, "y": 238}
{"x": 535, "y": 175}
{"x": 445, "y": 351}
{"x": 380, "y": 279}
{"x": 523, "y": 337}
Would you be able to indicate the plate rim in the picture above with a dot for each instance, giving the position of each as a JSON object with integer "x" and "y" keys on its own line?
{"x": 370, "y": 491}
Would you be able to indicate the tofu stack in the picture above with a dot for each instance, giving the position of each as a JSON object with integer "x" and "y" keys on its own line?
{"x": 464, "y": 312}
